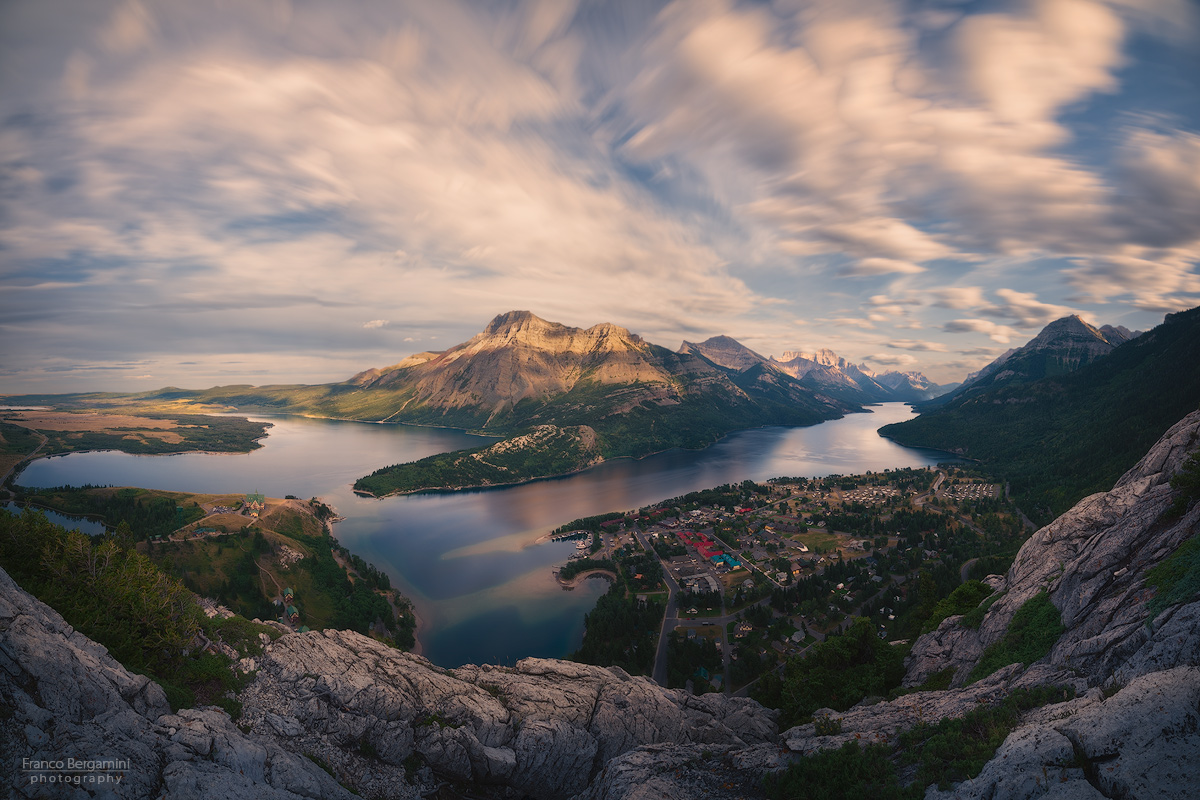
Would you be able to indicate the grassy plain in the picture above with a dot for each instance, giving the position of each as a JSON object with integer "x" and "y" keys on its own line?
{"x": 69, "y": 431}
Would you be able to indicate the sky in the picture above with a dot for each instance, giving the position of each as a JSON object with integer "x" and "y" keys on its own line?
{"x": 213, "y": 192}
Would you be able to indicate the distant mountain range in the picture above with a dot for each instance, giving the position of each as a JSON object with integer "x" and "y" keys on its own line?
{"x": 823, "y": 371}
{"x": 1066, "y": 414}
{"x": 522, "y": 371}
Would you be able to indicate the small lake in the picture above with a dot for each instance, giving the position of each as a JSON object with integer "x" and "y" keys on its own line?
{"x": 481, "y": 585}
{"x": 71, "y": 522}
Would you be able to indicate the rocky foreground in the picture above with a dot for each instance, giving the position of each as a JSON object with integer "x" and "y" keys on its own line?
{"x": 390, "y": 724}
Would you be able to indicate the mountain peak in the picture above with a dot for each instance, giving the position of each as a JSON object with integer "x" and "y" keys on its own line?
{"x": 1063, "y": 346}
{"x": 1073, "y": 333}
{"x": 514, "y": 320}
{"x": 823, "y": 356}
{"x": 725, "y": 351}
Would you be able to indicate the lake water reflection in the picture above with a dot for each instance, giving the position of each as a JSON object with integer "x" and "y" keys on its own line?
{"x": 468, "y": 560}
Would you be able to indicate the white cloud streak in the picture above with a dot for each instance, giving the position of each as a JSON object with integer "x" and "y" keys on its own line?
{"x": 269, "y": 177}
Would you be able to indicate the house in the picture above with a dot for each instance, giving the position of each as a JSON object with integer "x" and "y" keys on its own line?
{"x": 255, "y": 504}
{"x": 293, "y": 614}
{"x": 288, "y": 595}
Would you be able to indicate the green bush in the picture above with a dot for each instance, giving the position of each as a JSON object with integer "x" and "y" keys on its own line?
{"x": 954, "y": 750}
{"x": 950, "y": 751}
{"x": 974, "y": 618}
{"x": 1031, "y": 634}
{"x": 848, "y": 773}
{"x": 837, "y": 673}
{"x": 115, "y": 596}
{"x": 962, "y": 600}
{"x": 1187, "y": 483}
{"x": 1177, "y": 577}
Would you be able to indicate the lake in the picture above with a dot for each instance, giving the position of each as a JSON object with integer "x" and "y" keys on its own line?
{"x": 469, "y": 561}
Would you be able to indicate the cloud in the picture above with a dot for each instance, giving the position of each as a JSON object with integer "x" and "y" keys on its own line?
{"x": 1022, "y": 307}
{"x": 264, "y": 179}
{"x": 130, "y": 28}
{"x": 860, "y": 143}
{"x": 1026, "y": 309}
{"x": 1154, "y": 280}
{"x": 373, "y": 173}
{"x": 1026, "y": 66}
{"x": 883, "y": 300}
{"x": 912, "y": 344}
{"x": 880, "y": 266}
{"x": 851, "y": 322}
{"x": 958, "y": 297}
{"x": 892, "y": 359}
{"x": 997, "y": 333}
{"x": 1160, "y": 175}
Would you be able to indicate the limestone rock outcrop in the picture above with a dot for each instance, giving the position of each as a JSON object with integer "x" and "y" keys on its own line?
{"x": 62, "y": 696}
{"x": 544, "y": 727}
{"x": 1142, "y": 742}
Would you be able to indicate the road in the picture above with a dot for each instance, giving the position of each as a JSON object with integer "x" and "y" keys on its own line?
{"x": 671, "y": 620}
{"x": 966, "y": 568}
{"x": 671, "y": 615}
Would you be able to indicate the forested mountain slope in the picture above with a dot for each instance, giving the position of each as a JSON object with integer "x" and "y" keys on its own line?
{"x": 1059, "y": 438}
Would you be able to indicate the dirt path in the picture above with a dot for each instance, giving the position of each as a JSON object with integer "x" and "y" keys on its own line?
{"x": 270, "y": 575}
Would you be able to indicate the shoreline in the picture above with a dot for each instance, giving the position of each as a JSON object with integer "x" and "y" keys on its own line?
{"x": 419, "y": 625}
{"x": 573, "y": 582}
{"x": 866, "y": 409}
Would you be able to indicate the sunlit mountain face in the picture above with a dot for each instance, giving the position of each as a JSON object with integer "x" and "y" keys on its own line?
{"x": 199, "y": 193}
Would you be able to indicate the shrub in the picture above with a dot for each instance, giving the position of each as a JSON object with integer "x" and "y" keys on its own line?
{"x": 954, "y": 750}
{"x": 827, "y": 726}
{"x": 963, "y": 599}
{"x": 848, "y": 773}
{"x": 1187, "y": 483}
{"x": 1031, "y": 634}
{"x": 974, "y": 618}
{"x": 1177, "y": 577}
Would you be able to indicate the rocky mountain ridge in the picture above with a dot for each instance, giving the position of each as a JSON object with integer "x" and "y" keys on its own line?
{"x": 520, "y": 356}
{"x": 522, "y": 371}
{"x": 1062, "y": 346}
{"x": 390, "y": 724}
{"x": 1058, "y": 438}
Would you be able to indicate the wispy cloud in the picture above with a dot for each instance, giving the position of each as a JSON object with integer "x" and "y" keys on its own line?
{"x": 285, "y": 181}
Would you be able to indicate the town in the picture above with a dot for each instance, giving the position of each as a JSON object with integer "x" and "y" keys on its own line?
{"x": 741, "y": 578}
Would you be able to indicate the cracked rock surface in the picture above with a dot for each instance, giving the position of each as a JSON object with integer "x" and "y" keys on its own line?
{"x": 62, "y": 696}
{"x": 545, "y": 727}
